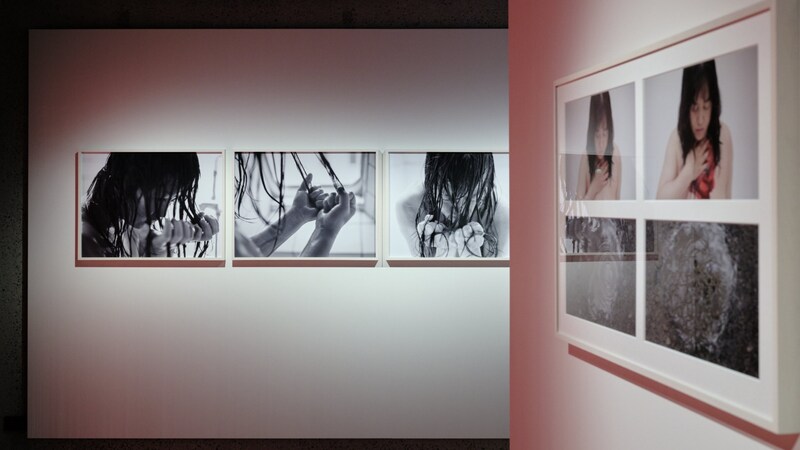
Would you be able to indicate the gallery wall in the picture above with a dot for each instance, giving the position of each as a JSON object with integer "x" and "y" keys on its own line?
{"x": 260, "y": 352}
{"x": 557, "y": 400}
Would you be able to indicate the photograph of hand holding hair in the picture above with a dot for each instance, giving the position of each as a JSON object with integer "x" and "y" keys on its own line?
{"x": 454, "y": 210}
{"x": 276, "y": 194}
{"x": 141, "y": 205}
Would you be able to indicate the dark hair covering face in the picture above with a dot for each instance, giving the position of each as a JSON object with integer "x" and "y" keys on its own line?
{"x": 158, "y": 178}
{"x": 600, "y": 110}
{"x": 467, "y": 181}
{"x": 695, "y": 79}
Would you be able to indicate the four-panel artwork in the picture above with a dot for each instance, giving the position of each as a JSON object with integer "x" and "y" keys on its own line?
{"x": 701, "y": 275}
{"x": 664, "y": 209}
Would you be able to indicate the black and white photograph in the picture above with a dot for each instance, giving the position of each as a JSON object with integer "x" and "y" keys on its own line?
{"x": 150, "y": 204}
{"x": 448, "y": 205}
{"x": 701, "y": 129}
{"x": 702, "y": 291}
{"x": 305, "y": 204}
{"x": 599, "y": 163}
{"x": 600, "y": 270}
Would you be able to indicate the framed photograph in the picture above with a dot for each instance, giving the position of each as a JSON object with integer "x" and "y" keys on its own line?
{"x": 667, "y": 217}
{"x": 447, "y": 208}
{"x": 312, "y": 208}
{"x": 149, "y": 209}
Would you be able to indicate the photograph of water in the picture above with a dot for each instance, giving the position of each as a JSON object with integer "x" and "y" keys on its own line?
{"x": 702, "y": 291}
{"x": 600, "y": 271}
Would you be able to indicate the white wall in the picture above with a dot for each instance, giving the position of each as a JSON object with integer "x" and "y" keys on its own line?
{"x": 558, "y": 401}
{"x": 260, "y": 352}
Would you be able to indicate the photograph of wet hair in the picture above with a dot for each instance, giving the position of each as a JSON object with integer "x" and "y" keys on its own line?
{"x": 144, "y": 205}
{"x": 459, "y": 191}
{"x": 277, "y": 193}
{"x": 448, "y": 205}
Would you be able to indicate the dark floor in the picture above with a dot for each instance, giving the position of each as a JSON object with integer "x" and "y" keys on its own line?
{"x": 17, "y": 441}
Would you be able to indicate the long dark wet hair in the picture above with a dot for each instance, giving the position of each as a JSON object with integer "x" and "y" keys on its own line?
{"x": 467, "y": 180}
{"x": 113, "y": 197}
{"x": 264, "y": 173}
{"x": 695, "y": 79}
{"x": 600, "y": 109}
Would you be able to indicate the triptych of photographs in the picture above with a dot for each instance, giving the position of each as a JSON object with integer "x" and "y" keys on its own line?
{"x": 171, "y": 206}
{"x": 663, "y": 199}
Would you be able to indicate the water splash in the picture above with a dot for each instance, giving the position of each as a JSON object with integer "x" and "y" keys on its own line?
{"x": 700, "y": 274}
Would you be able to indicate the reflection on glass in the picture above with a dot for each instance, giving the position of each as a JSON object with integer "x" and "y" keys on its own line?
{"x": 600, "y": 271}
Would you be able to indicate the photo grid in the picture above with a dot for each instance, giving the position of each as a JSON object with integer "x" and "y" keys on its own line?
{"x": 700, "y": 286}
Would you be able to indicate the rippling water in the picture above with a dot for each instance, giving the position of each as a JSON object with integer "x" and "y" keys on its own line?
{"x": 702, "y": 291}
{"x": 702, "y": 276}
{"x": 601, "y": 283}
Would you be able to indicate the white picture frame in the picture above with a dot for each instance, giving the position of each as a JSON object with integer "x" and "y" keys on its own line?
{"x": 209, "y": 199}
{"x": 753, "y": 391}
{"x": 358, "y": 243}
{"x": 404, "y": 172}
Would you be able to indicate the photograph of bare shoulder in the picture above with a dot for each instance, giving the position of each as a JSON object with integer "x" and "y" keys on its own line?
{"x": 711, "y": 150}
{"x": 150, "y": 205}
{"x": 449, "y": 205}
{"x": 599, "y": 163}
{"x": 304, "y": 205}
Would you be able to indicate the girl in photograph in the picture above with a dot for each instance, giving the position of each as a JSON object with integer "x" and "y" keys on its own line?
{"x": 143, "y": 205}
{"x": 600, "y": 169}
{"x": 455, "y": 213}
{"x": 262, "y": 175}
{"x": 699, "y": 158}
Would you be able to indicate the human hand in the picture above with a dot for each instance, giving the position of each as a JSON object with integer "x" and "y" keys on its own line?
{"x": 697, "y": 159}
{"x": 704, "y": 183}
{"x": 308, "y": 201}
{"x": 178, "y": 232}
{"x": 600, "y": 179}
{"x": 336, "y": 210}
{"x": 208, "y": 227}
{"x": 470, "y": 240}
{"x": 432, "y": 237}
